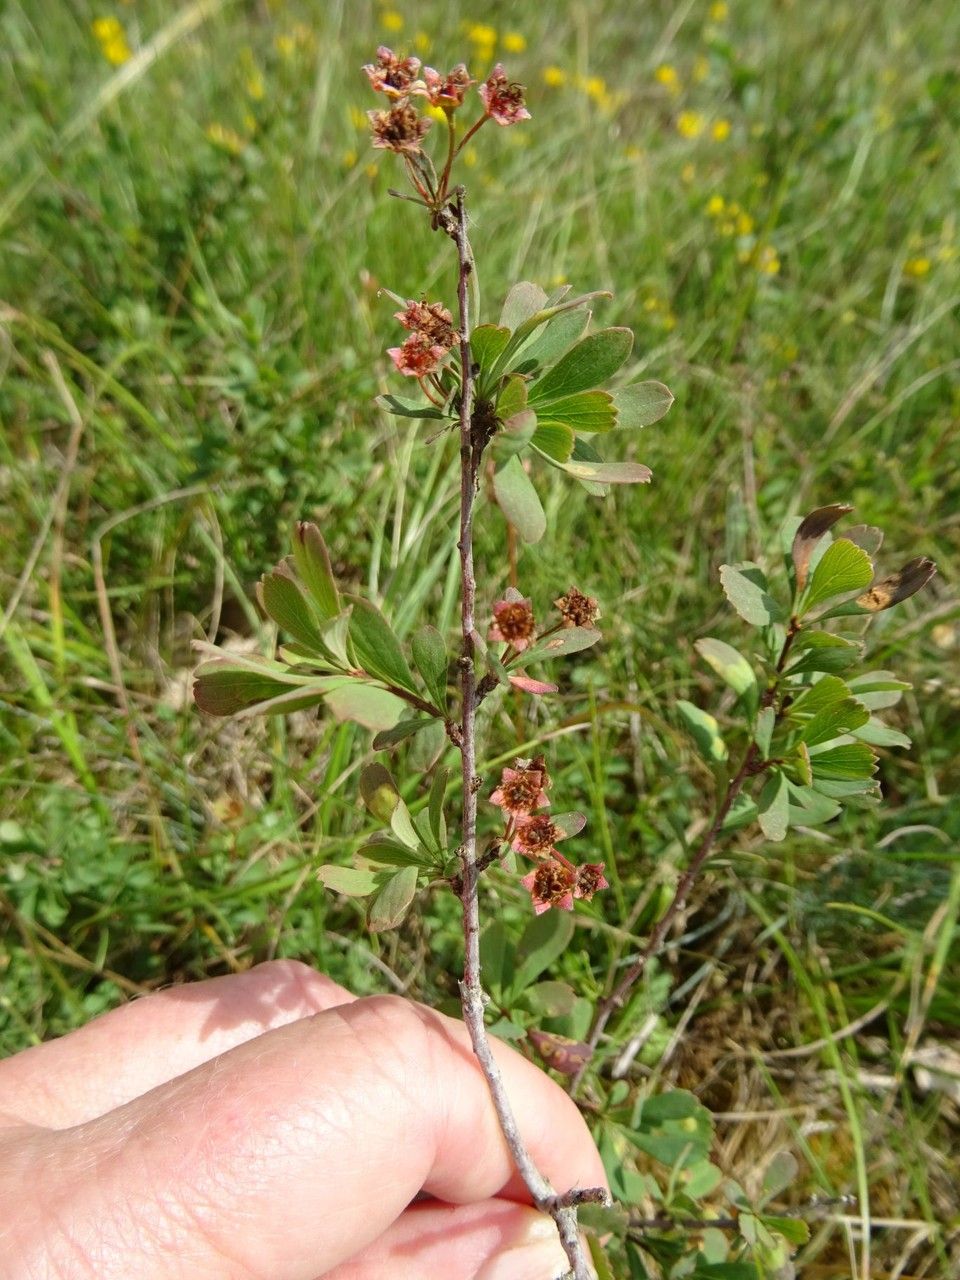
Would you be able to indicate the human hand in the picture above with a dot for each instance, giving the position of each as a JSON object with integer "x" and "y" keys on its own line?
{"x": 273, "y": 1125}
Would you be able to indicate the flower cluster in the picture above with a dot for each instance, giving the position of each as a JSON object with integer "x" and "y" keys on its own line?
{"x": 402, "y": 128}
{"x": 112, "y": 40}
{"x": 431, "y": 337}
{"x": 554, "y": 881}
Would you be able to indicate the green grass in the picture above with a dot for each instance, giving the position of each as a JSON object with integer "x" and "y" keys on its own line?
{"x": 205, "y": 322}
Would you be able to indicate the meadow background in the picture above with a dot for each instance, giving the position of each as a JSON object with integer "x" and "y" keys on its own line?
{"x": 193, "y": 232}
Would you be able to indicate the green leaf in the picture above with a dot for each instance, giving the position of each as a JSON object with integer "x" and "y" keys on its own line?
{"x": 426, "y": 747}
{"x": 554, "y": 439}
{"x": 701, "y": 1179}
{"x": 763, "y": 733}
{"x": 779, "y": 1174}
{"x": 834, "y": 721}
{"x": 590, "y": 411}
{"x": 568, "y": 640}
{"x": 827, "y": 692}
{"x": 408, "y": 409}
{"x": 393, "y": 901}
{"x": 512, "y": 398}
{"x": 794, "y": 1230}
{"x": 844, "y": 567}
{"x": 823, "y": 651}
{"x": 544, "y": 940}
{"x": 312, "y": 562}
{"x": 524, "y": 301}
{"x": 350, "y": 881}
{"x": 438, "y": 788}
{"x": 583, "y": 451}
{"x": 496, "y": 961}
{"x": 592, "y": 361}
{"x": 284, "y": 601}
{"x": 773, "y": 807}
{"x": 401, "y": 824}
{"x": 377, "y": 649}
{"x": 366, "y": 704}
{"x": 878, "y": 689}
{"x": 224, "y": 688}
{"x": 745, "y": 587}
{"x": 811, "y": 808}
{"x": 515, "y": 435}
{"x": 380, "y": 850}
{"x": 641, "y": 404}
{"x": 550, "y": 999}
{"x": 609, "y": 472}
{"x": 732, "y": 667}
{"x": 519, "y": 501}
{"x": 430, "y": 659}
{"x": 674, "y": 1128}
{"x": 486, "y": 344}
{"x": 558, "y": 335}
{"x": 705, "y": 732}
{"x": 404, "y": 729}
{"x": 878, "y": 734}
{"x": 852, "y": 760}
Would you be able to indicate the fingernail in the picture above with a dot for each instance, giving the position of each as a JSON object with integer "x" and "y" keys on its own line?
{"x": 537, "y": 1256}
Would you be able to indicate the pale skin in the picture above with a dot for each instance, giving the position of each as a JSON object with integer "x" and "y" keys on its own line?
{"x": 272, "y": 1126}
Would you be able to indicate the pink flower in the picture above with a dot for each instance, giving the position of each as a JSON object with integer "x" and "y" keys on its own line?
{"x": 550, "y": 884}
{"x": 590, "y": 880}
{"x": 536, "y": 835}
{"x": 400, "y": 129}
{"x": 392, "y": 75}
{"x": 513, "y": 622}
{"x": 523, "y": 789}
{"x": 576, "y": 609}
{"x": 449, "y": 91}
{"x": 502, "y": 100}
{"x": 418, "y": 356}
{"x": 431, "y": 319}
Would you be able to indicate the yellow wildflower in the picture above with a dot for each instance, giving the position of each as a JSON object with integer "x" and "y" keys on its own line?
{"x": 349, "y": 159}
{"x": 116, "y": 52}
{"x": 719, "y": 11}
{"x": 435, "y": 113}
{"x": 358, "y": 118}
{"x": 720, "y": 130}
{"x": 689, "y": 124}
{"x": 716, "y": 206}
{"x": 666, "y": 75}
{"x": 744, "y": 224}
{"x": 285, "y": 46}
{"x": 554, "y": 76}
{"x": 514, "y": 42}
{"x": 225, "y": 138}
{"x": 392, "y": 20}
{"x": 632, "y": 152}
{"x": 250, "y": 122}
{"x": 422, "y": 42}
{"x": 371, "y": 170}
{"x": 917, "y": 268}
{"x": 106, "y": 29}
{"x": 594, "y": 87}
{"x": 480, "y": 33}
{"x": 767, "y": 261}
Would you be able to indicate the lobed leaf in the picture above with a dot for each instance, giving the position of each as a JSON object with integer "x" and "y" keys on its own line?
{"x": 554, "y": 440}
{"x": 487, "y": 342}
{"x": 844, "y": 567}
{"x": 589, "y": 411}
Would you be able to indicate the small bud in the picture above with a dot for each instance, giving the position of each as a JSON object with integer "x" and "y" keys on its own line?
{"x": 400, "y": 129}
{"x": 576, "y": 609}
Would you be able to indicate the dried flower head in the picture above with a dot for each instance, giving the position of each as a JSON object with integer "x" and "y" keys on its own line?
{"x": 502, "y": 100}
{"x": 513, "y": 623}
{"x": 396, "y": 77}
{"x": 576, "y": 609}
{"x": 449, "y": 91}
{"x": 535, "y": 836}
{"x": 590, "y": 880}
{"x": 551, "y": 884}
{"x": 523, "y": 789}
{"x": 418, "y": 356}
{"x": 400, "y": 129}
{"x": 431, "y": 319}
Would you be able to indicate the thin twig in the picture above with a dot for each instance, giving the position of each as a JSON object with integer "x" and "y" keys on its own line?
{"x": 562, "y": 1209}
